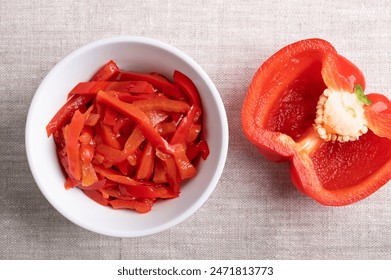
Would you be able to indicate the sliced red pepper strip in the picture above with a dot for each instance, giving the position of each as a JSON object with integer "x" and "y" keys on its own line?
{"x": 145, "y": 168}
{"x": 185, "y": 169}
{"x": 162, "y": 104}
{"x": 187, "y": 87}
{"x": 110, "y": 117}
{"x": 98, "y": 185}
{"x": 88, "y": 175}
{"x": 166, "y": 128}
{"x": 111, "y": 154}
{"x": 109, "y": 137}
{"x": 134, "y": 141}
{"x": 123, "y": 123}
{"x": 185, "y": 125}
{"x": 87, "y": 147}
{"x": 72, "y": 134}
{"x": 157, "y": 117}
{"x": 278, "y": 116}
{"x": 193, "y": 133}
{"x": 171, "y": 170}
{"x": 158, "y": 81}
{"x": 147, "y": 191}
{"x": 92, "y": 119}
{"x": 204, "y": 149}
{"x": 141, "y": 207}
{"x": 96, "y": 196}
{"x": 71, "y": 183}
{"x": 139, "y": 117}
{"x": 131, "y": 97}
{"x": 87, "y": 150}
{"x": 159, "y": 174}
{"x": 117, "y": 177}
{"x": 106, "y": 72}
{"x": 66, "y": 112}
{"x": 92, "y": 88}
{"x": 114, "y": 192}
{"x": 197, "y": 149}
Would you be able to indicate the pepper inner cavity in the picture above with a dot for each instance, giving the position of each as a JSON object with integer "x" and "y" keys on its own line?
{"x": 340, "y": 116}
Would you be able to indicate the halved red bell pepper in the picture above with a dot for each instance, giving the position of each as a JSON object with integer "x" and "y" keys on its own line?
{"x": 290, "y": 113}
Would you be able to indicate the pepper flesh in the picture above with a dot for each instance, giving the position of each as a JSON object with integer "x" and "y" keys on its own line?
{"x": 279, "y": 114}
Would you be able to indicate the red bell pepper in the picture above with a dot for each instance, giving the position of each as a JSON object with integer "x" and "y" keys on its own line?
{"x": 306, "y": 104}
{"x": 117, "y": 177}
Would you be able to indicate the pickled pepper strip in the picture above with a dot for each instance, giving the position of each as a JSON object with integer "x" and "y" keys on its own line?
{"x": 184, "y": 126}
{"x": 187, "y": 86}
{"x": 158, "y": 81}
{"x": 92, "y": 88}
{"x": 106, "y": 72}
{"x": 72, "y": 145}
{"x": 65, "y": 113}
{"x": 163, "y": 104}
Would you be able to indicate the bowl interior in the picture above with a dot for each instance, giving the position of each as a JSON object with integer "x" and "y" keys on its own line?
{"x": 132, "y": 53}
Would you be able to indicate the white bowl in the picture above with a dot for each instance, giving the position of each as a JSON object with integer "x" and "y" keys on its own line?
{"x": 131, "y": 53}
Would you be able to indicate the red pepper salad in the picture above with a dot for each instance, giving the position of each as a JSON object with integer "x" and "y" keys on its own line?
{"x": 128, "y": 139}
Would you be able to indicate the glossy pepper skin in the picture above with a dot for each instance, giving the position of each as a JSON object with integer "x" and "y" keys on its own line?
{"x": 278, "y": 116}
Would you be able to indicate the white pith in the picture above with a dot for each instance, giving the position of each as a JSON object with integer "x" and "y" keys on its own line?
{"x": 340, "y": 116}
